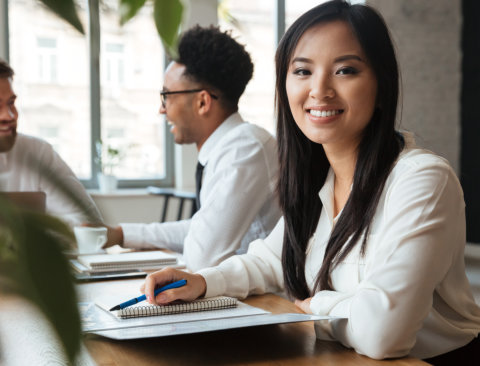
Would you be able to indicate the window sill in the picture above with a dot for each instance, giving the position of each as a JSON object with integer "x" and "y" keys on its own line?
{"x": 122, "y": 192}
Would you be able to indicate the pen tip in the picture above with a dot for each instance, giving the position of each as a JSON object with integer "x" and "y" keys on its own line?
{"x": 115, "y": 308}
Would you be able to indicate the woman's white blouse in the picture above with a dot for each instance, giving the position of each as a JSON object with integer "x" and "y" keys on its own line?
{"x": 408, "y": 294}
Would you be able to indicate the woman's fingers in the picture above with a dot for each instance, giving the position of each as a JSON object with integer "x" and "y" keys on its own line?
{"x": 304, "y": 305}
{"x": 195, "y": 287}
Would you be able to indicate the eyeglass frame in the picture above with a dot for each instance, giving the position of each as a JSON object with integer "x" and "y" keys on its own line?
{"x": 163, "y": 94}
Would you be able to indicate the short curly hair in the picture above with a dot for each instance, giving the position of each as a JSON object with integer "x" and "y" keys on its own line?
{"x": 5, "y": 70}
{"x": 214, "y": 58}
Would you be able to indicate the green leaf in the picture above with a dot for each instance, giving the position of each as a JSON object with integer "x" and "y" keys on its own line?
{"x": 33, "y": 266}
{"x": 66, "y": 10}
{"x": 129, "y": 8}
{"x": 168, "y": 19}
{"x": 46, "y": 279}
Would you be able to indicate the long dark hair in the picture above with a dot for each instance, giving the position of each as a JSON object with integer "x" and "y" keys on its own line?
{"x": 304, "y": 165}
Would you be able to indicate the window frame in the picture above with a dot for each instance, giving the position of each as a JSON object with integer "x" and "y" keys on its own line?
{"x": 93, "y": 38}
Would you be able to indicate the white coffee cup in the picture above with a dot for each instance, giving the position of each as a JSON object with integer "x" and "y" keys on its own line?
{"x": 90, "y": 239}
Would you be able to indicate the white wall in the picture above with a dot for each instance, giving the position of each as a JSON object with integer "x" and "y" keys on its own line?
{"x": 136, "y": 206}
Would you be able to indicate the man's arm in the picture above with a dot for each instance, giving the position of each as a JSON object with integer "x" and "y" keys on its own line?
{"x": 58, "y": 203}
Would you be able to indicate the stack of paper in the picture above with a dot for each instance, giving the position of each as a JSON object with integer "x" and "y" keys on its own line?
{"x": 105, "y": 263}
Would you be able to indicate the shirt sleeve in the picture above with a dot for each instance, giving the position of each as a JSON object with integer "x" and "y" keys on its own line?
{"x": 238, "y": 186}
{"x": 256, "y": 272}
{"x": 424, "y": 230}
{"x": 169, "y": 235}
{"x": 58, "y": 202}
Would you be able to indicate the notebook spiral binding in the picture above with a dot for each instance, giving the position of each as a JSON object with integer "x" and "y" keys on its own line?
{"x": 188, "y": 307}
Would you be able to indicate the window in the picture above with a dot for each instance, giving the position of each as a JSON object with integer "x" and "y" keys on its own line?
{"x": 251, "y": 23}
{"x": 57, "y": 97}
{"x": 114, "y": 64}
{"x": 47, "y": 60}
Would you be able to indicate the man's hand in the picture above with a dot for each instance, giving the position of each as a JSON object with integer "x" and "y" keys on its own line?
{"x": 114, "y": 236}
{"x": 195, "y": 287}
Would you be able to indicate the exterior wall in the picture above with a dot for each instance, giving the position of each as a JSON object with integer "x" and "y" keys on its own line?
{"x": 427, "y": 34}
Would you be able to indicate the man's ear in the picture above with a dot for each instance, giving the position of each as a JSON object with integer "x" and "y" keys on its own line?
{"x": 204, "y": 102}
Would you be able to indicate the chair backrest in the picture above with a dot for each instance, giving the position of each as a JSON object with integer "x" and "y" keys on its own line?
{"x": 181, "y": 196}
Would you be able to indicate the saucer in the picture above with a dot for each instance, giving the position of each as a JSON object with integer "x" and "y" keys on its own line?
{"x": 73, "y": 253}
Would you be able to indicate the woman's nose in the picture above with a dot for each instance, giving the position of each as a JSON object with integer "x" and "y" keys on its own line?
{"x": 322, "y": 88}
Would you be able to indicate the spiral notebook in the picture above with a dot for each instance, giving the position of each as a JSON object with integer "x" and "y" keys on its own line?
{"x": 145, "y": 309}
{"x": 127, "y": 261}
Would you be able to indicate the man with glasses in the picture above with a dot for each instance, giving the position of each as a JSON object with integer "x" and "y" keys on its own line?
{"x": 237, "y": 167}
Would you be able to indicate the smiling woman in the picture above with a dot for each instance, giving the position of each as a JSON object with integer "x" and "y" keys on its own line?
{"x": 332, "y": 94}
{"x": 373, "y": 227}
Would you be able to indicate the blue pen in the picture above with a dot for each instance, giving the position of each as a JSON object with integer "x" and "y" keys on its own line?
{"x": 135, "y": 300}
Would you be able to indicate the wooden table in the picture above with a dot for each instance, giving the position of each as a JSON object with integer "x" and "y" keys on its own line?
{"x": 284, "y": 344}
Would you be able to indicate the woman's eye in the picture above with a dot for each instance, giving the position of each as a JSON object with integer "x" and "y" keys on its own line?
{"x": 301, "y": 72}
{"x": 347, "y": 71}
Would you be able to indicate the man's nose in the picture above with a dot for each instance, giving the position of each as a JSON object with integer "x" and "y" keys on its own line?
{"x": 6, "y": 114}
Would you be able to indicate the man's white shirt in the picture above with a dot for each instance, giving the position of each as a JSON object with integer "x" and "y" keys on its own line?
{"x": 238, "y": 203}
{"x": 18, "y": 174}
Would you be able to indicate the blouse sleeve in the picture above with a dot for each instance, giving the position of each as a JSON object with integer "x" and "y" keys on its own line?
{"x": 256, "y": 272}
{"x": 422, "y": 234}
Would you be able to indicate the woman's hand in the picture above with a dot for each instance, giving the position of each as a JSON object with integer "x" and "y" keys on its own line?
{"x": 195, "y": 287}
{"x": 304, "y": 305}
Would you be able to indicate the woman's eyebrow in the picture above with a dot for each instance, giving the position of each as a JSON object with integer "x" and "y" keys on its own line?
{"x": 348, "y": 57}
{"x": 302, "y": 59}
{"x": 336, "y": 60}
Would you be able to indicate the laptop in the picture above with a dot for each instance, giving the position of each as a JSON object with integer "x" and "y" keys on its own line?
{"x": 35, "y": 201}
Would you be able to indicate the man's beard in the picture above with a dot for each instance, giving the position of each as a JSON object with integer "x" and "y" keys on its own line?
{"x": 7, "y": 142}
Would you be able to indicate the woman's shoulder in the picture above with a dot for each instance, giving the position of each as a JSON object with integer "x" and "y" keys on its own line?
{"x": 412, "y": 157}
{"x": 424, "y": 169}
{"x": 416, "y": 157}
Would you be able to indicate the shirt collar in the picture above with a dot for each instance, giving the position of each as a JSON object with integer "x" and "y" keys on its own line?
{"x": 226, "y": 126}
{"x": 326, "y": 194}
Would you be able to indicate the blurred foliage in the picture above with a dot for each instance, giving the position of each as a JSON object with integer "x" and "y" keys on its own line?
{"x": 32, "y": 265}
{"x": 66, "y": 10}
{"x": 167, "y": 15}
{"x": 32, "y": 261}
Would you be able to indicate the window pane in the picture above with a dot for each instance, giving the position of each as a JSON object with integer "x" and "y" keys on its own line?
{"x": 131, "y": 69}
{"x": 252, "y": 26}
{"x": 51, "y": 80}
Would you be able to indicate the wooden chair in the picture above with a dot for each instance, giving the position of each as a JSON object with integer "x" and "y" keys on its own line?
{"x": 181, "y": 196}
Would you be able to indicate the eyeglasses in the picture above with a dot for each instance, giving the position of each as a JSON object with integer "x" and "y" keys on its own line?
{"x": 164, "y": 94}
